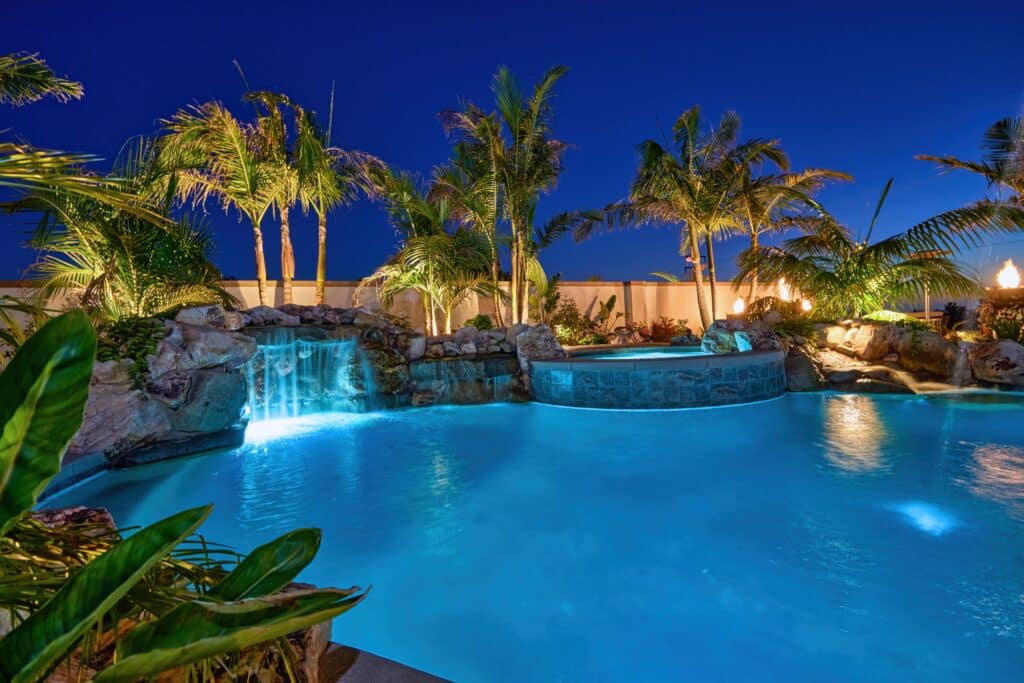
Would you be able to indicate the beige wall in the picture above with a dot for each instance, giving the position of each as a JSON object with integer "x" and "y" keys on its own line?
{"x": 638, "y": 301}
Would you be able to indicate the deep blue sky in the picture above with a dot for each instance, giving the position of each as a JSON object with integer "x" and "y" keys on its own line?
{"x": 860, "y": 87}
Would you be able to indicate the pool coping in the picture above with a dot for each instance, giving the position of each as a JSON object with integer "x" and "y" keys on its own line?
{"x": 698, "y": 360}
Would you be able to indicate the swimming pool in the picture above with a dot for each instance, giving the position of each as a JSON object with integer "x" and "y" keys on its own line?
{"x": 811, "y": 538}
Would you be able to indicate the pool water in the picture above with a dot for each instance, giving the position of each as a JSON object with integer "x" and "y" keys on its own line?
{"x": 638, "y": 353}
{"x": 810, "y": 538}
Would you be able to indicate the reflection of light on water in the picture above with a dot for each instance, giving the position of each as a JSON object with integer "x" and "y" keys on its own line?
{"x": 293, "y": 427}
{"x": 926, "y": 517}
{"x": 996, "y": 472}
{"x": 853, "y": 433}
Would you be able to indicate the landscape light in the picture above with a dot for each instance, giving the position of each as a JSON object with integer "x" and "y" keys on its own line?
{"x": 1008, "y": 277}
{"x": 806, "y": 305}
{"x": 739, "y": 305}
{"x": 785, "y": 291}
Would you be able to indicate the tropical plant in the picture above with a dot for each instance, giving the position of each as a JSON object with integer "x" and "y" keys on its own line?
{"x": 273, "y": 132}
{"x": 83, "y": 597}
{"x": 1002, "y": 321}
{"x": 120, "y": 264}
{"x": 25, "y": 77}
{"x": 1002, "y": 163}
{"x": 207, "y": 152}
{"x": 845, "y": 276}
{"x": 512, "y": 154}
{"x": 440, "y": 260}
{"x": 692, "y": 183}
{"x": 606, "y": 315}
{"x": 766, "y": 202}
{"x": 18, "y": 320}
{"x": 329, "y": 177}
{"x": 481, "y": 321}
{"x": 664, "y": 328}
{"x": 544, "y": 295}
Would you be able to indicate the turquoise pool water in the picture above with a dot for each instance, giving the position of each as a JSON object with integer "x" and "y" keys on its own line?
{"x": 635, "y": 353}
{"x": 811, "y": 538}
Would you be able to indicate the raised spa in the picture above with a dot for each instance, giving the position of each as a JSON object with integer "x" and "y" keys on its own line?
{"x": 658, "y": 378}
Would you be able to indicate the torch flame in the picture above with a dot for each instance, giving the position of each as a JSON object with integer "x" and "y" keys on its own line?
{"x": 1008, "y": 277}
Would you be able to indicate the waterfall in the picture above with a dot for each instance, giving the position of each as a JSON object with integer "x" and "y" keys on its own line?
{"x": 962, "y": 375}
{"x": 291, "y": 376}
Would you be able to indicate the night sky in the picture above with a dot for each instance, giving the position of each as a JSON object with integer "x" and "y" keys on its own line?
{"x": 860, "y": 87}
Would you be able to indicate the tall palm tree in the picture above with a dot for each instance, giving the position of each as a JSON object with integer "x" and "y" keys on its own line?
{"x": 845, "y": 275}
{"x": 766, "y": 202}
{"x": 329, "y": 177}
{"x": 692, "y": 183}
{"x": 1002, "y": 163}
{"x": 517, "y": 143}
{"x": 273, "y": 132}
{"x": 207, "y": 152}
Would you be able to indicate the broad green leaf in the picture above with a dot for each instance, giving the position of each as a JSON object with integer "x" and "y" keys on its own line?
{"x": 270, "y": 567}
{"x": 31, "y": 650}
{"x": 43, "y": 392}
{"x": 198, "y": 630}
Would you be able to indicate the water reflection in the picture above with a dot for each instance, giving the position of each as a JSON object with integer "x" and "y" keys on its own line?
{"x": 996, "y": 472}
{"x": 854, "y": 433}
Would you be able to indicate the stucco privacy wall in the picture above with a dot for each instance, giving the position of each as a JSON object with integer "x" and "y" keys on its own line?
{"x": 638, "y": 301}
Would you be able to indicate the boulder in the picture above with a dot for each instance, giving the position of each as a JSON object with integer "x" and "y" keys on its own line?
{"x": 465, "y": 335}
{"x": 999, "y": 362}
{"x": 364, "y": 317}
{"x": 866, "y": 341}
{"x": 802, "y": 373}
{"x": 925, "y": 351}
{"x": 537, "y": 343}
{"x": 265, "y": 315}
{"x": 417, "y": 347}
{"x": 513, "y": 332}
{"x": 195, "y": 389}
{"x": 721, "y": 337}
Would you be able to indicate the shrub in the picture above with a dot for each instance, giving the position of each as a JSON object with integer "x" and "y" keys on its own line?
{"x": 131, "y": 338}
{"x": 1004, "y": 322}
{"x": 665, "y": 328}
{"x": 575, "y": 329}
{"x": 481, "y": 321}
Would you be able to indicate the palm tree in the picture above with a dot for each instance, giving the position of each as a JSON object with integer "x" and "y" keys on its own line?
{"x": 516, "y": 143}
{"x": 439, "y": 259}
{"x": 272, "y": 131}
{"x": 693, "y": 184}
{"x": 118, "y": 264}
{"x": 1002, "y": 163}
{"x": 471, "y": 182}
{"x": 25, "y": 77}
{"x": 329, "y": 177}
{"x": 766, "y": 202}
{"x": 207, "y": 152}
{"x": 848, "y": 276}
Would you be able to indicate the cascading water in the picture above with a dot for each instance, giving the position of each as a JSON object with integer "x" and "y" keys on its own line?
{"x": 962, "y": 375}
{"x": 291, "y": 376}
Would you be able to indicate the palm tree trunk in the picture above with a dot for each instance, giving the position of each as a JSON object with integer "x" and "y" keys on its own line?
{"x": 698, "y": 278}
{"x": 321, "y": 258}
{"x": 447, "y": 320}
{"x": 712, "y": 280}
{"x": 524, "y": 300}
{"x": 261, "y": 263}
{"x": 754, "y": 246}
{"x": 287, "y": 257}
{"x": 495, "y": 274}
{"x": 515, "y": 275}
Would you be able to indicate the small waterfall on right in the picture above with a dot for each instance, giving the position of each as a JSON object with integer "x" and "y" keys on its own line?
{"x": 291, "y": 376}
{"x": 962, "y": 375}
